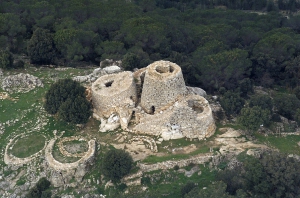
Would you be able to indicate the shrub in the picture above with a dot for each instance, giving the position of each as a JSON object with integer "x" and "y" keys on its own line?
{"x": 116, "y": 164}
{"x": 19, "y": 64}
{"x": 6, "y": 59}
{"x": 40, "y": 190}
{"x": 187, "y": 188}
{"x": 252, "y": 118}
{"x": 146, "y": 181}
{"x": 176, "y": 167}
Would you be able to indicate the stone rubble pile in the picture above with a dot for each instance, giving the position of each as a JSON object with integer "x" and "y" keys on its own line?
{"x": 98, "y": 72}
{"x": 21, "y": 83}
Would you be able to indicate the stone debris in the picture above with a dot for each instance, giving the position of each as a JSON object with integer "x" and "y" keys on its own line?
{"x": 112, "y": 123}
{"x": 21, "y": 83}
{"x": 112, "y": 69}
{"x": 98, "y": 72}
{"x": 110, "y": 62}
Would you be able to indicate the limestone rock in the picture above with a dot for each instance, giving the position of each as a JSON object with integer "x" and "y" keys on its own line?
{"x": 90, "y": 77}
{"x": 112, "y": 69}
{"x": 196, "y": 91}
{"x": 21, "y": 83}
{"x": 56, "y": 179}
{"x": 110, "y": 62}
{"x": 112, "y": 123}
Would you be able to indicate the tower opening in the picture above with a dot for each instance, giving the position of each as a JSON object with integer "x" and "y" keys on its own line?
{"x": 152, "y": 110}
{"x": 109, "y": 83}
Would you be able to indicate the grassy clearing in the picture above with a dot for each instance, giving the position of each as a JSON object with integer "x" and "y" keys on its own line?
{"x": 29, "y": 145}
{"x": 286, "y": 144}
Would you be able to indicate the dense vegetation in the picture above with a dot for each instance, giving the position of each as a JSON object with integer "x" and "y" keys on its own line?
{"x": 67, "y": 98}
{"x": 271, "y": 175}
{"x": 216, "y": 48}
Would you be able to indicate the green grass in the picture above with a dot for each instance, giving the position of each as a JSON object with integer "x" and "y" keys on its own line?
{"x": 286, "y": 144}
{"x": 26, "y": 146}
{"x": 154, "y": 159}
{"x": 171, "y": 182}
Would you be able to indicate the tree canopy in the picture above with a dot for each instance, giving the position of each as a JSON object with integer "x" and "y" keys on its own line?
{"x": 116, "y": 164}
{"x": 67, "y": 98}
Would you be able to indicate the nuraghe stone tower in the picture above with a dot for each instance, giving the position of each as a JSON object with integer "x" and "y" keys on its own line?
{"x": 163, "y": 84}
{"x": 165, "y": 107}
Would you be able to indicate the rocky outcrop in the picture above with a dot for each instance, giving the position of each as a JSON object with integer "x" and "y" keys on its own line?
{"x": 21, "y": 83}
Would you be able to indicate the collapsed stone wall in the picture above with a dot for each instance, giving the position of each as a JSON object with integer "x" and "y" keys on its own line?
{"x": 162, "y": 85}
{"x": 114, "y": 93}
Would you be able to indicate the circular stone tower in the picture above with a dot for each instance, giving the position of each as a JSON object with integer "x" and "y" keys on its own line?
{"x": 113, "y": 91}
{"x": 163, "y": 84}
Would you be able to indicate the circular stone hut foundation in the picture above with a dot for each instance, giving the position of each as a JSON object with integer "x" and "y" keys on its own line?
{"x": 163, "y": 84}
{"x": 112, "y": 91}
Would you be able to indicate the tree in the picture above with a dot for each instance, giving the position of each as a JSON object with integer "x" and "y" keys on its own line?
{"x": 272, "y": 53}
{"x": 67, "y": 98}
{"x": 40, "y": 48}
{"x": 286, "y": 105}
{"x": 76, "y": 111}
{"x": 6, "y": 59}
{"x": 232, "y": 103}
{"x": 60, "y": 91}
{"x": 116, "y": 164}
{"x": 130, "y": 61}
{"x": 253, "y": 117}
{"x": 224, "y": 69}
{"x": 262, "y": 101}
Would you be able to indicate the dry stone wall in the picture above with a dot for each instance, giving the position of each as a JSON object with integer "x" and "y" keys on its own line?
{"x": 89, "y": 155}
{"x": 198, "y": 159}
{"x": 163, "y": 84}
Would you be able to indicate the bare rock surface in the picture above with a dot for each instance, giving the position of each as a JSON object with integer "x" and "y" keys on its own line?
{"x": 196, "y": 91}
{"x": 21, "y": 83}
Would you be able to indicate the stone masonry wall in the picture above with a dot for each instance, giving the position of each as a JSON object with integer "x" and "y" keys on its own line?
{"x": 190, "y": 117}
{"x": 112, "y": 91}
{"x": 163, "y": 84}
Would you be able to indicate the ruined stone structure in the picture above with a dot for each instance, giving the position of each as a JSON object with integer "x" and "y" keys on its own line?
{"x": 159, "y": 100}
{"x": 163, "y": 84}
{"x": 115, "y": 93}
